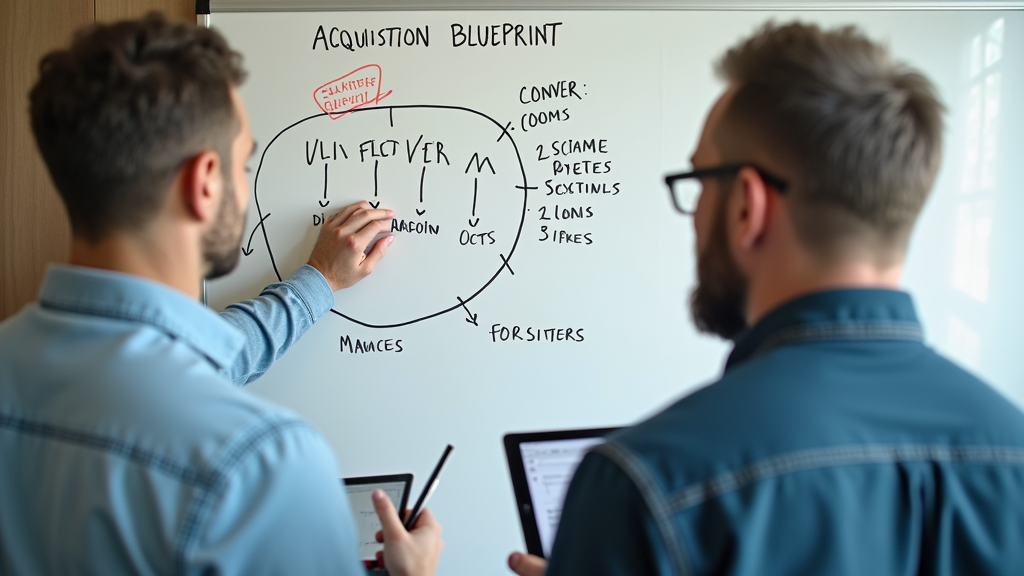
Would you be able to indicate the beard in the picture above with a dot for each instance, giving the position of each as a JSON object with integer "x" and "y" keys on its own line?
{"x": 718, "y": 302}
{"x": 222, "y": 243}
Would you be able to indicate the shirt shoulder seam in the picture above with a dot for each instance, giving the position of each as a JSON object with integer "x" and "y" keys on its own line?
{"x": 75, "y": 306}
{"x": 155, "y": 322}
{"x": 113, "y": 446}
{"x": 644, "y": 480}
{"x": 702, "y": 491}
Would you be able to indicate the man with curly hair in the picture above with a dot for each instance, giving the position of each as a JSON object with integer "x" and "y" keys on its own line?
{"x": 125, "y": 446}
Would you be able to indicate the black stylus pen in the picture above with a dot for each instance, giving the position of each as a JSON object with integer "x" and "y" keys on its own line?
{"x": 427, "y": 490}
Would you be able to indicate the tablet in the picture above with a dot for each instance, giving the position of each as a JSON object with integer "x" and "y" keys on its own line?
{"x": 541, "y": 465}
{"x": 396, "y": 486}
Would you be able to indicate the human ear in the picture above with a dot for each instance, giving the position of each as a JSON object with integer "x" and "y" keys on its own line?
{"x": 203, "y": 186}
{"x": 750, "y": 210}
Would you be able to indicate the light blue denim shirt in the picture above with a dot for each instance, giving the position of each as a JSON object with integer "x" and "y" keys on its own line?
{"x": 125, "y": 449}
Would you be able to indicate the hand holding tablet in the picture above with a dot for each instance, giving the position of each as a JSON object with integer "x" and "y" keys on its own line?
{"x": 359, "y": 490}
{"x": 411, "y": 546}
{"x": 541, "y": 465}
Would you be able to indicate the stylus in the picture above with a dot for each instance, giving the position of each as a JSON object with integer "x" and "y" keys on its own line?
{"x": 428, "y": 490}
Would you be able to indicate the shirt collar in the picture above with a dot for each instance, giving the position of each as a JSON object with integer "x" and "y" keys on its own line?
{"x": 109, "y": 294}
{"x": 834, "y": 314}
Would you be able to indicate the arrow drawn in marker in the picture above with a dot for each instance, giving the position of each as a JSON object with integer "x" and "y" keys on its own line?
{"x": 325, "y": 201}
{"x": 474, "y": 197}
{"x": 474, "y": 221}
{"x": 472, "y": 317}
{"x": 375, "y": 204}
{"x": 423, "y": 174}
{"x": 248, "y": 250}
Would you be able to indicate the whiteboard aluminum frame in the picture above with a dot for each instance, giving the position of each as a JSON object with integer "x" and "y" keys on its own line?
{"x": 719, "y": 5}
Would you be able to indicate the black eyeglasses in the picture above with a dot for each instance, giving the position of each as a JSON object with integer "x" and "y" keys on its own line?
{"x": 685, "y": 188}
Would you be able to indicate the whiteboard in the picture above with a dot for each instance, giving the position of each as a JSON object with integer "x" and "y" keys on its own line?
{"x": 539, "y": 277}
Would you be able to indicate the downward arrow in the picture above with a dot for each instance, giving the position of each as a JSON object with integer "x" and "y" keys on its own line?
{"x": 325, "y": 201}
{"x": 248, "y": 250}
{"x": 474, "y": 198}
{"x": 472, "y": 317}
{"x": 421, "y": 212}
{"x": 474, "y": 221}
{"x": 423, "y": 174}
{"x": 375, "y": 204}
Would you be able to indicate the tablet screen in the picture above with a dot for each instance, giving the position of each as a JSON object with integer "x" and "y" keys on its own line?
{"x": 549, "y": 466}
{"x": 367, "y": 522}
{"x": 541, "y": 465}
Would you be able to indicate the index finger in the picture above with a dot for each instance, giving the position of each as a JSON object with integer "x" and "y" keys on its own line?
{"x": 527, "y": 564}
{"x": 379, "y": 536}
{"x": 391, "y": 526}
{"x": 358, "y": 219}
{"x": 347, "y": 211}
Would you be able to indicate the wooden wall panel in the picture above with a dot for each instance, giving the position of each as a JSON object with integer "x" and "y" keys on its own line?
{"x": 33, "y": 227}
{"x": 108, "y": 10}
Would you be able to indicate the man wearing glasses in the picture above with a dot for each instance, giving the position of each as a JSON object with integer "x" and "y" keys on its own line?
{"x": 836, "y": 442}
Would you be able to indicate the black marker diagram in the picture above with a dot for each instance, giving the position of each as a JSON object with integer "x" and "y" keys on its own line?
{"x": 454, "y": 177}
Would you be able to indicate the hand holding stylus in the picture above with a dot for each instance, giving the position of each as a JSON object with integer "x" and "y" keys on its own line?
{"x": 407, "y": 552}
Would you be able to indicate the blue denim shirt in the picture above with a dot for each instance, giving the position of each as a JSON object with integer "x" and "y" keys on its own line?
{"x": 125, "y": 449}
{"x": 835, "y": 443}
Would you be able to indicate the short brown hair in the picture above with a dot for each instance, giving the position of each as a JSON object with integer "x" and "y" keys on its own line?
{"x": 859, "y": 134}
{"x": 117, "y": 113}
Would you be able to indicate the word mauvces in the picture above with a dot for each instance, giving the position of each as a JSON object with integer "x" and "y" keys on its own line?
{"x": 357, "y": 346}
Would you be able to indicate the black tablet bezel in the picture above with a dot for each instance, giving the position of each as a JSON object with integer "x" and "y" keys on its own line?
{"x": 385, "y": 479}
{"x": 524, "y": 504}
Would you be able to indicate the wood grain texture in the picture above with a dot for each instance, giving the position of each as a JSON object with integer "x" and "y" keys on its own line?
{"x": 110, "y": 10}
{"x": 33, "y": 227}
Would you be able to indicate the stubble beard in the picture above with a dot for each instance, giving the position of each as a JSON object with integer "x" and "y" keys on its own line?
{"x": 718, "y": 302}
{"x": 222, "y": 243}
